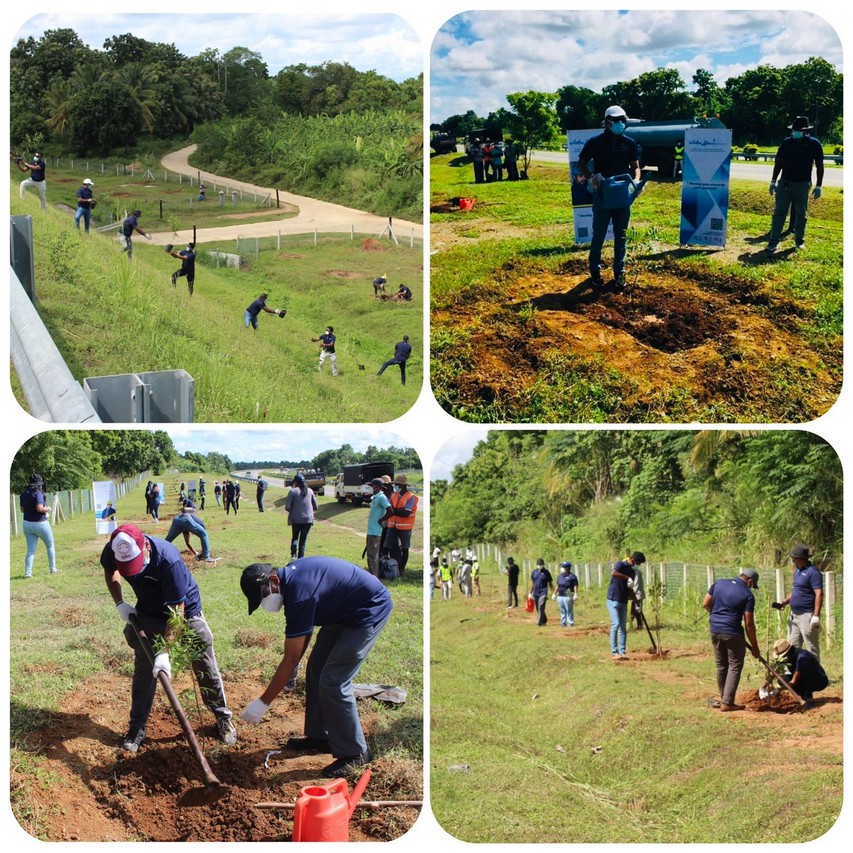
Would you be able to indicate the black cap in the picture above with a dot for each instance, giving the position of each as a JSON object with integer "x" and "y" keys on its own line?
{"x": 250, "y": 582}
{"x": 800, "y": 552}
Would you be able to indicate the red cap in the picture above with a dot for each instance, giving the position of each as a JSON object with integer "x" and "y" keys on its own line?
{"x": 128, "y": 544}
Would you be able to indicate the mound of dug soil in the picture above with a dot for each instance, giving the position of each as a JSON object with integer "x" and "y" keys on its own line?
{"x": 97, "y": 792}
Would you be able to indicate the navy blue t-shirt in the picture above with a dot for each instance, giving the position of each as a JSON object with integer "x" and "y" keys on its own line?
{"x": 329, "y": 591}
{"x": 618, "y": 588}
{"x": 30, "y": 499}
{"x": 37, "y": 171}
{"x": 187, "y": 259}
{"x": 256, "y": 307}
{"x": 541, "y": 579}
{"x": 806, "y": 581}
{"x": 165, "y": 582}
{"x": 129, "y": 225}
{"x": 611, "y": 154}
{"x": 402, "y": 350}
{"x": 84, "y": 196}
{"x": 567, "y": 582}
{"x": 797, "y": 157}
{"x": 328, "y": 342}
{"x": 812, "y": 674}
{"x": 731, "y": 599}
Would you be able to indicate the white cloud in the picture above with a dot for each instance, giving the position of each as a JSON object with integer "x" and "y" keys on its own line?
{"x": 455, "y": 451}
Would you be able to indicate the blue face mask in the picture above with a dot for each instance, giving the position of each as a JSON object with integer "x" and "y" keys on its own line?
{"x": 618, "y": 127}
{"x": 797, "y": 134}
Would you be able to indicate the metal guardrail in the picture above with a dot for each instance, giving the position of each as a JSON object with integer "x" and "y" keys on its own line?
{"x": 52, "y": 392}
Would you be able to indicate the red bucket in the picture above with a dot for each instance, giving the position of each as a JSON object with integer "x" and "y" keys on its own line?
{"x": 466, "y": 203}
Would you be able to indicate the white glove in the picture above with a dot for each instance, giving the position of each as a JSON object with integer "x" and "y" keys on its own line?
{"x": 815, "y": 622}
{"x": 553, "y": 596}
{"x": 161, "y": 664}
{"x": 817, "y": 192}
{"x": 254, "y": 712}
{"x": 630, "y": 584}
{"x": 772, "y": 187}
{"x": 147, "y": 236}
{"x": 575, "y": 597}
{"x": 596, "y": 180}
{"x": 125, "y": 609}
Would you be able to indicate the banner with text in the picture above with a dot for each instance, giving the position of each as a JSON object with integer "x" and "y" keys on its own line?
{"x": 581, "y": 196}
{"x": 705, "y": 187}
{"x": 104, "y": 492}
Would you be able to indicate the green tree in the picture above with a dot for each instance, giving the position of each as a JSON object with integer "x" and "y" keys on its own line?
{"x": 126, "y": 453}
{"x": 534, "y": 121}
{"x": 813, "y": 88}
{"x": 709, "y": 98}
{"x": 578, "y": 108}
{"x": 65, "y": 458}
{"x": 103, "y": 117}
{"x": 757, "y": 112}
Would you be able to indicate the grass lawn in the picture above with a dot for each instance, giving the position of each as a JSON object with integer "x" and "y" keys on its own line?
{"x": 712, "y": 335}
{"x": 538, "y": 736}
{"x": 66, "y": 645}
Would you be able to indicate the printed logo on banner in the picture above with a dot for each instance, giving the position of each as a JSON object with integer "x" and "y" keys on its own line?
{"x": 581, "y": 196}
{"x": 104, "y": 493}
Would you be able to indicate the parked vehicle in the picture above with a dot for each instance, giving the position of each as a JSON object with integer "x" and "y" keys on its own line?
{"x": 657, "y": 138}
{"x": 353, "y": 483}
{"x": 315, "y": 479}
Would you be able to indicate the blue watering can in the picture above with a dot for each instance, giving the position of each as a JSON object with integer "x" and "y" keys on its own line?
{"x": 620, "y": 191}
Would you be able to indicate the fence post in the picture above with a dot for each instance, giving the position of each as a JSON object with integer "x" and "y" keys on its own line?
{"x": 278, "y": 242}
{"x": 352, "y": 232}
{"x": 709, "y": 576}
{"x": 315, "y": 236}
{"x": 412, "y": 239}
{"x": 829, "y": 609}
{"x": 600, "y": 575}
{"x": 14, "y": 515}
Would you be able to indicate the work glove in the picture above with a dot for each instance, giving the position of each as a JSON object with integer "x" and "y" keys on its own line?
{"x": 575, "y": 597}
{"x": 778, "y": 606}
{"x": 815, "y": 622}
{"x": 817, "y": 192}
{"x": 553, "y": 596}
{"x": 596, "y": 180}
{"x": 772, "y": 187}
{"x": 125, "y": 609}
{"x": 161, "y": 664}
{"x": 254, "y": 712}
{"x": 147, "y": 236}
{"x": 630, "y": 584}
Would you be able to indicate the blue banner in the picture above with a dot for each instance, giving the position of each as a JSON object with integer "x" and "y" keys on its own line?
{"x": 705, "y": 188}
{"x": 581, "y": 196}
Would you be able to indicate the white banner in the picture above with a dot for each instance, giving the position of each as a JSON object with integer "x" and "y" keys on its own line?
{"x": 705, "y": 186}
{"x": 581, "y": 196}
{"x": 104, "y": 492}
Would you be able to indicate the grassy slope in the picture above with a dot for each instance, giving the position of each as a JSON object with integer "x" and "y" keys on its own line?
{"x": 108, "y": 316}
{"x": 64, "y": 628}
{"x": 665, "y": 768}
{"x": 521, "y": 228}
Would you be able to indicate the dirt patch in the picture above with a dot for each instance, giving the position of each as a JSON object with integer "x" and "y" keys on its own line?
{"x": 99, "y": 793}
{"x": 344, "y": 274}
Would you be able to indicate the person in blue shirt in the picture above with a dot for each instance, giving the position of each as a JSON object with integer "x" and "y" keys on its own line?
{"x": 402, "y": 351}
{"x": 351, "y": 607}
{"x": 806, "y": 601}
{"x": 36, "y": 513}
{"x": 731, "y": 605}
{"x": 187, "y": 259}
{"x": 84, "y": 205}
{"x": 403, "y": 294}
{"x": 154, "y": 570}
{"x": 619, "y": 593}
{"x": 541, "y": 583}
{"x": 327, "y": 349}
{"x": 186, "y": 522}
{"x": 380, "y": 511}
{"x": 128, "y": 226}
{"x": 36, "y": 178}
{"x": 260, "y": 304}
{"x": 611, "y": 153}
{"x": 805, "y": 674}
{"x": 567, "y": 592}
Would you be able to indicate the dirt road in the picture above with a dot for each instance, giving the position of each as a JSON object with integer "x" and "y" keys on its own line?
{"x": 313, "y": 214}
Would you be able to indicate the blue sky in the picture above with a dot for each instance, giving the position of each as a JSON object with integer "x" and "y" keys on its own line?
{"x": 294, "y": 443}
{"x": 380, "y": 42}
{"x": 478, "y": 57}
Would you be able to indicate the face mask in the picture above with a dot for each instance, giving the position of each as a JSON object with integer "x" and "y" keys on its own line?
{"x": 797, "y": 134}
{"x": 618, "y": 127}
{"x": 273, "y": 602}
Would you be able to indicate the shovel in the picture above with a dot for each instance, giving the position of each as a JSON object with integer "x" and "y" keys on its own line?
{"x": 654, "y": 650}
{"x": 213, "y": 789}
{"x": 781, "y": 679}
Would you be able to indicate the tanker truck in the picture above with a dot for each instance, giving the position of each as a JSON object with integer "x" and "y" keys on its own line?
{"x": 657, "y": 138}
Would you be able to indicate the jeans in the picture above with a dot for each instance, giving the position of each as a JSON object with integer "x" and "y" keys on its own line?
{"x": 330, "y": 709}
{"x": 298, "y": 538}
{"x": 794, "y": 195}
{"x": 618, "y": 630}
{"x": 567, "y": 609}
{"x": 802, "y": 635}
{"x": 85, "y": 214}
{"x": 33, "y": 531}
{"x": 190, "y": 524}
{"x": 601, "y": 218}
{"x": 248, "y": 318}
{"x": 729, "y": 654}
{"x": 205, "y": 669}
{"x": 401, "y": 362}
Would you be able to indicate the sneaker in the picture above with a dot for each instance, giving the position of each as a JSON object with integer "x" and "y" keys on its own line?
{"x": 726, "y": 708}
{"x": 54, "y": 571}
{"x": 620, "y": 281}
{"x": 800, "y": 245}
{"x": 307, "y": 744}
{"x": 771, "y": 247}
{"x": 346, "y": 766}
{"x": 133, "y": 739}
{"x": 226, "y": 730}
{"x": 597, "y": 280}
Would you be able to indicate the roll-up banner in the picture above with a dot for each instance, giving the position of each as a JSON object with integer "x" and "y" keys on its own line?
{"x": 581, "y": 196}
{"x": 705, "y": 187}
{"x": 104, "y": 492}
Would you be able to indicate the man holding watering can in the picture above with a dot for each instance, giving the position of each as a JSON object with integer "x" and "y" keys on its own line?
{"x": 610, "y": 154}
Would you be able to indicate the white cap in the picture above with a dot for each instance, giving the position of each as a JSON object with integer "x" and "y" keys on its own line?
{"x": 87, "y": 181}
{"x": 612, "y": 112}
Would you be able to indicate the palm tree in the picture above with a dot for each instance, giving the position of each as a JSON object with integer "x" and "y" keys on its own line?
{"x": 139, "y": 79}
{"x": 56, "y": 100}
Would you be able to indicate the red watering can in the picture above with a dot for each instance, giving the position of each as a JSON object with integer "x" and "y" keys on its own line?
{"x": 322, "y": 812}
{"x": 529, "y": 604}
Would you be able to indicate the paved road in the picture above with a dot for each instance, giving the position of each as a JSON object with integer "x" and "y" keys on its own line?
{"x": 313, "y": 214}
{"x": 832, "y": 177}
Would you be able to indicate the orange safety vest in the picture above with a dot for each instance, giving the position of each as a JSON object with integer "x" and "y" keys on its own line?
{"x": 403, "y": 522}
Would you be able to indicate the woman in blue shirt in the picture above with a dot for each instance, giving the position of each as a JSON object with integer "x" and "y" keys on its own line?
{"x": 37, "y": 524}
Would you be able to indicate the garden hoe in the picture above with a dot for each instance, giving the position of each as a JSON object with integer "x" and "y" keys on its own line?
{"x": 654, "y": 650}
{"x": 213, "y": 789}
{"x": 781, "y": 679}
